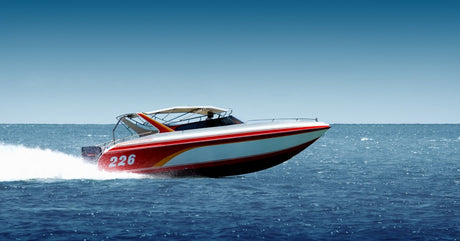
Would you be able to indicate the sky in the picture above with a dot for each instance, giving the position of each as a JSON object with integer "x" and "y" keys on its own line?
{"x": 341, "y": 61}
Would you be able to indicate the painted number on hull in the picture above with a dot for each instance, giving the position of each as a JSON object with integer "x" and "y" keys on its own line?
{"x": 122, "y": 160}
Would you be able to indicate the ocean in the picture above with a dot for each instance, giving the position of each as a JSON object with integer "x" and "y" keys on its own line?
{"x": 357, "y": 182}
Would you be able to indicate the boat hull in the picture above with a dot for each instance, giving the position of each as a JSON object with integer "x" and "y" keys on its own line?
{"x": 231, "y": 167}
{"x": 219, "y": 152}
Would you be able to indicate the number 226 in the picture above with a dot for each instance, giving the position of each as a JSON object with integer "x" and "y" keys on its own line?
{"x": 122, "y": 161}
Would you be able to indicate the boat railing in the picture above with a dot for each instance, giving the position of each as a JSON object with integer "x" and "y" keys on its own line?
{"x": 190, "y": 119}
{"x": 282, "y": 120}
{"x": 107, "y": 144}
{"x": 110, "y": 143}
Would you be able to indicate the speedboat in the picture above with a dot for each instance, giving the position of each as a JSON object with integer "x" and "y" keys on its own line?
{"x": 201, "y": 141}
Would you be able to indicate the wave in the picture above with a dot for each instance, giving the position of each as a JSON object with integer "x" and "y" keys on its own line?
{"x": 23, "y": 163}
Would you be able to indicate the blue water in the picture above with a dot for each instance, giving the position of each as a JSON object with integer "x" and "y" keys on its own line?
{"x": 358, "y": 182}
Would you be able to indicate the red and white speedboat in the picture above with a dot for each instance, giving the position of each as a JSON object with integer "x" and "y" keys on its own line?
{"x": 202, "y": 141}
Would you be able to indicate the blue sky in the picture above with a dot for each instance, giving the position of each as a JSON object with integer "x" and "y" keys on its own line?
{"x": 340, "y": 61}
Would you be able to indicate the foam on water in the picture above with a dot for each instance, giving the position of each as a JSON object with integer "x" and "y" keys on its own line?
{"x": 23, "y": 163}
{"x": 366, "y": 139}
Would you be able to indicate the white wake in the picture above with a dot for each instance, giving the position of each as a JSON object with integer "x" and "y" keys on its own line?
{"x": 23, "y": 163}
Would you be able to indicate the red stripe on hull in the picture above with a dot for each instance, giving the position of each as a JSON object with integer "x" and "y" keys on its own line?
{"x": 231, "y": 166}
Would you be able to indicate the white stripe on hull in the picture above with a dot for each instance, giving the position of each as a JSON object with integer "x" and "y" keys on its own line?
{"x": 242, "y": 149}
